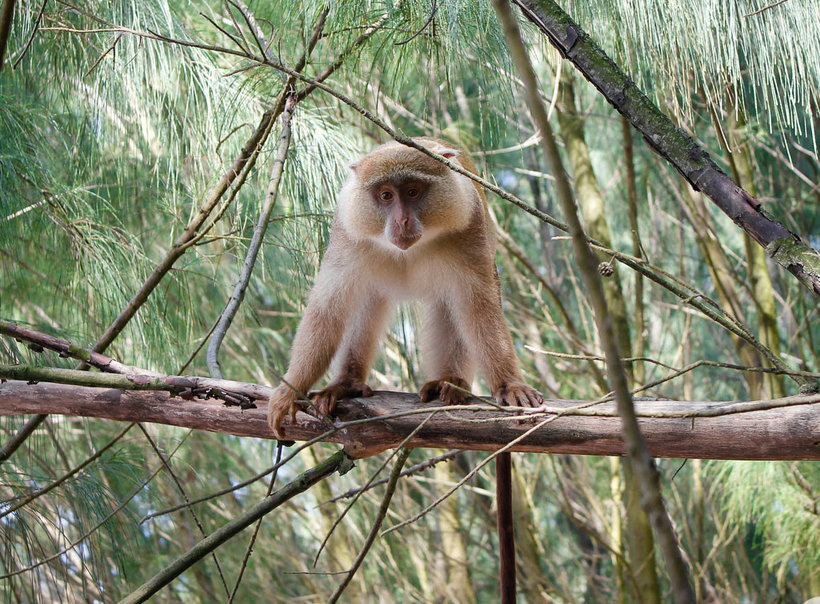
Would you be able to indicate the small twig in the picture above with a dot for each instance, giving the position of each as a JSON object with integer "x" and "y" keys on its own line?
{"x": 315, "y": 36}
{"x": 427, "y": 23}
{"x": 247, "y": 47}
{"x": 103, "y": 55}
{"x": 415, "y": 469}
{"x": 181, "y": 489}
{"x": 224, "y": 31}
{"x": 31, "y": 37}
{"x": 258, "y": 36}
{"x": 377, "y": 523}
{"x": 255, "y": 534}
{"x": 238, "y": 295}
{"x": 765, "y": 8}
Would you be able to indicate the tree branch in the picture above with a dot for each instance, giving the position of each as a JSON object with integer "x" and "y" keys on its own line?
{"x": 671, "y": 143}
{"x": 787, "y": 428}
{"x": 336, "y": 462}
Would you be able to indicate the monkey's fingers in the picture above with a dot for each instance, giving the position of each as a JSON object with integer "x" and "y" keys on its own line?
{"x": 535, "y": 398}
{"x": 450, "y": 390}
{"x": 326, "y": 402}
{"x": 453, "y": 395}
{"x": 518, "y": 395}
{"x": 276, "y": 413}
{"x": 429, "y": 392}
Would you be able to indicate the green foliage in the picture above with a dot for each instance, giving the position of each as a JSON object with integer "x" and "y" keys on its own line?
{"x": 109, "y": 144}
{"x": 780, "y": 501}
{"x": 755, "y": 48}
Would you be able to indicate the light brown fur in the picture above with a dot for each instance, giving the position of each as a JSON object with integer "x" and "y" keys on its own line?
{"x": 448, "y": 263}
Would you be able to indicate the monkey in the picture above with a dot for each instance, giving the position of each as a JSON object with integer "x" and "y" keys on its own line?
{"x": 405, "y": 227}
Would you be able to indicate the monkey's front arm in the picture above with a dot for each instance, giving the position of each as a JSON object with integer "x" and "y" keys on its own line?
{"x": 317, "y": 338}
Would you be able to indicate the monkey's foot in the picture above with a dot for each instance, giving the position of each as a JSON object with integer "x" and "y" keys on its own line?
{"x": 450, "y": 390}
{"x": 518, "y": 394}
{"x": 326, "y": 399}
{"x": 281, "y": 404}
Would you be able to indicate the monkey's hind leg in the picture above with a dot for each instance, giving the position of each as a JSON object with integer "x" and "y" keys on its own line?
{"x": 486, "y": 332}
{"x": 445, "y": 357}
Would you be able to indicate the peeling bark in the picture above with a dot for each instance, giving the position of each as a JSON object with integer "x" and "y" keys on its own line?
{"x": 788, "y": 429}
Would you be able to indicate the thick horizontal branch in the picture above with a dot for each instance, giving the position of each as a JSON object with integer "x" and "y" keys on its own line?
{"x": 786, "y": 428}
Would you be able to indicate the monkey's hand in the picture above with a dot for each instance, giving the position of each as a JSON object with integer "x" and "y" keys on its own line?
{"x": 341, "y": 388}
{"x": 518, "y": 394}
{"x": 282, "y": 403}
{"x": 450, "y": 390}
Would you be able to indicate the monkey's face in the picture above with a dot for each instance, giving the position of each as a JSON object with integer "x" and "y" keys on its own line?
{"x": 401, "y": 203}
{"x": 398, "y": 197}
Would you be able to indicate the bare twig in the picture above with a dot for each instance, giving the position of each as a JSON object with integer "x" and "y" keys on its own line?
{"x": 421, "y": 29}
{"x": 252, "y": 540}
{"x": 415, "y": 469}
{"x": 167, "y": 465}
{"x": 236, "y": 298}
{"x": 377, "y": 523}
{"x": 31, "y": 37}
{"x": 765, "y": 8}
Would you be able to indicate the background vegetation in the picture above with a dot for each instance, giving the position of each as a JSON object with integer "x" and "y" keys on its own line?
{"x": 110, "y": 141}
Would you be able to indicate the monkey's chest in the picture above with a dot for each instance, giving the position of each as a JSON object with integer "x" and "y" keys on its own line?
{"x": 403, "y": 281}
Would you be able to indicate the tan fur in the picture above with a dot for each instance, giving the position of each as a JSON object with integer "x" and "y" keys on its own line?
{"x": 450, "y": 268}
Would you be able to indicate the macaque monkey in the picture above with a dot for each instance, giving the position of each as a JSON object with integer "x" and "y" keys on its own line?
{"x": 406, "y": 227}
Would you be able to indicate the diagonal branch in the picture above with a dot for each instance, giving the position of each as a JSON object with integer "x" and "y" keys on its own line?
{"x": 638, "y": 453}
{"x": 336, "y": 462}
{"x": 671, "y": 143}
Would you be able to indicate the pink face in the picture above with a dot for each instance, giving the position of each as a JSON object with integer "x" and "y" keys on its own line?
{"x": 401, "y": 202}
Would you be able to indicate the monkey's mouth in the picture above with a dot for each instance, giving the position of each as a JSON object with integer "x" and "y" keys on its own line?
{"x": 403, "y": 242}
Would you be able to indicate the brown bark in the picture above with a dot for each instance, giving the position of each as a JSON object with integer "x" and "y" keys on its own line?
{"x": 6, "y": 17}
{"x": 704, "y": 430}
{"x": 670, "y": 142}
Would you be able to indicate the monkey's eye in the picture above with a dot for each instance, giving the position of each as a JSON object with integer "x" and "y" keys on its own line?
{"x": 386, "y": 196}
{"x": 413, "y": 193}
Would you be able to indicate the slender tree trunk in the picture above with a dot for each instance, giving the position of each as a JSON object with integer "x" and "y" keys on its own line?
{"x": 740, "y": 160}
{"x": 456, "y": 580}
{"x": 533, "y": 583}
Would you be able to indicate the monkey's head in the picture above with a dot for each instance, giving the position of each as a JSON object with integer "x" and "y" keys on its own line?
{"x": 398, "y": 196}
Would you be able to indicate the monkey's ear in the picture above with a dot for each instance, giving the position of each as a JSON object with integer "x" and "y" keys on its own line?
{"x": 355, "y": 165}
{"x": 448, "y": 152}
